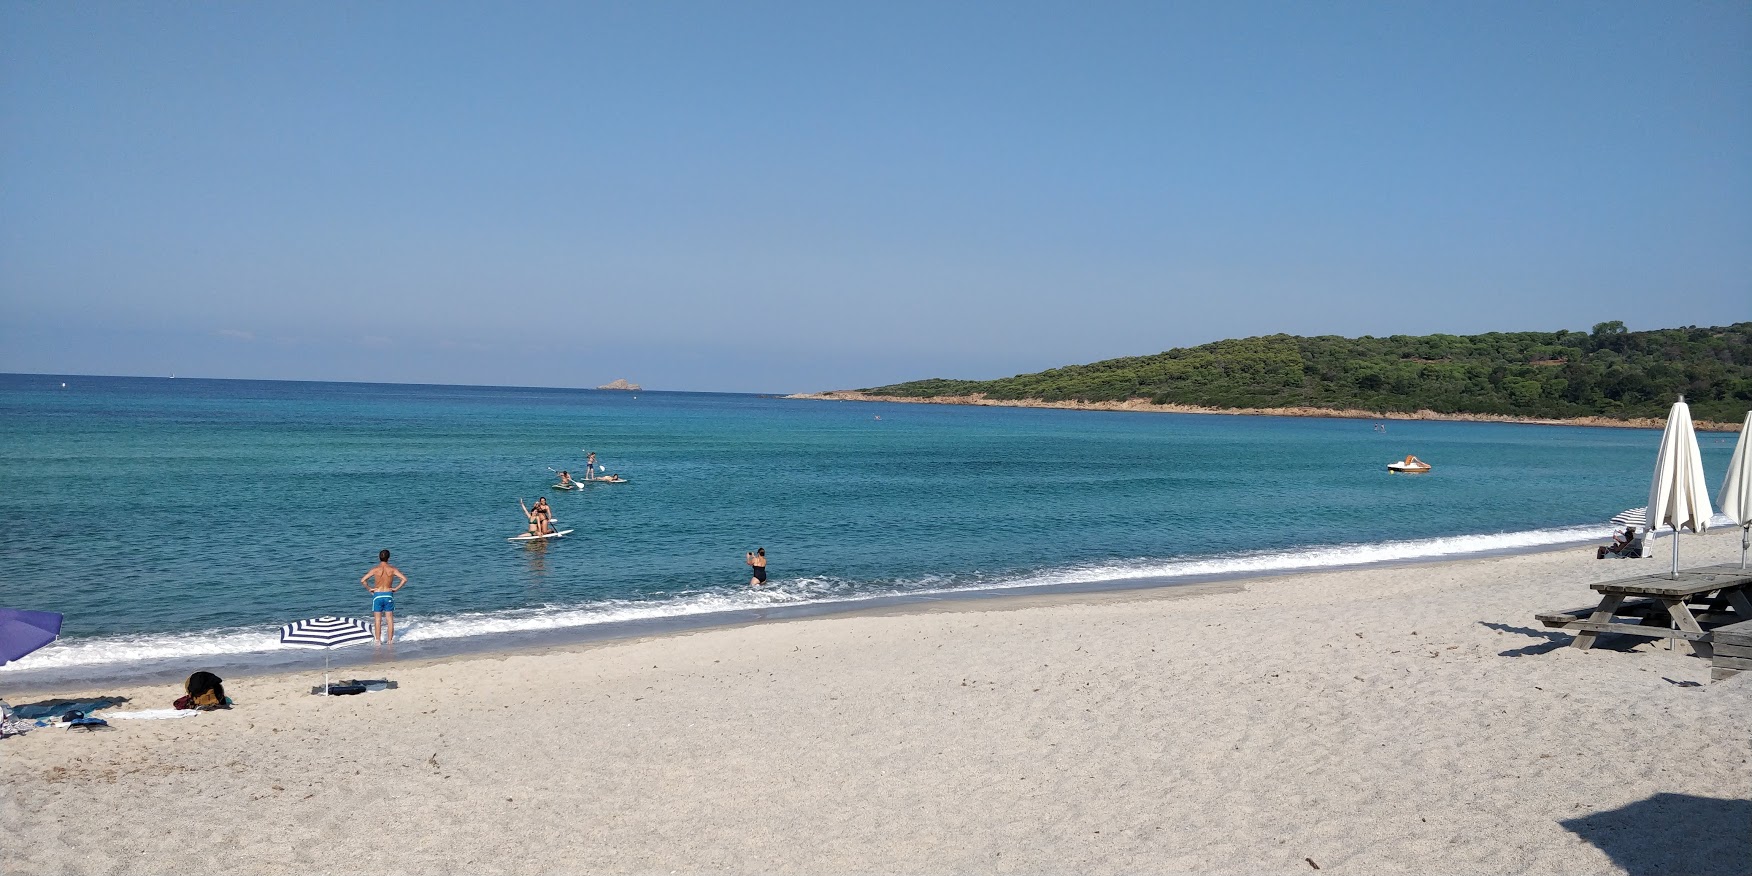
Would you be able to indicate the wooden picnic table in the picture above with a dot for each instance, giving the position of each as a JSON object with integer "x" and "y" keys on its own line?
{"x": 1663, "y": 607}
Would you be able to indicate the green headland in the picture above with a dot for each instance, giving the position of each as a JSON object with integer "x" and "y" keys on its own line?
{"x": 1609, "y": 375}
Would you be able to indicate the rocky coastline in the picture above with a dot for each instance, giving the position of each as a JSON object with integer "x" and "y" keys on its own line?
{"x": 1144, "y": 405}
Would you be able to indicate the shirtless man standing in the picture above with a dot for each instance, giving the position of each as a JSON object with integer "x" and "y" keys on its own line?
{"x": 377, "y": 581}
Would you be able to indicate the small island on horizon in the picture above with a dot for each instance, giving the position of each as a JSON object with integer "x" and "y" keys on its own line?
{"x": 620, "y": 383}
{"x": 1607, "y": 377}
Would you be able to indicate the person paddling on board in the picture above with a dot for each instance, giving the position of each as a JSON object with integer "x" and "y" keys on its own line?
{"x": 566, "y": 480}
{"x": 377, "y": 581}
{"x": 757, "y": 560}
{"x": 590, "y": 465}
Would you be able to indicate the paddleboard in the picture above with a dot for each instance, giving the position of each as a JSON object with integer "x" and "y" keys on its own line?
{"x": 527, "y": 537}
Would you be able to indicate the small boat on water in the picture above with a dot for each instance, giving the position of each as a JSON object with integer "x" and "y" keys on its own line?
{"x": 1409, "y": 465}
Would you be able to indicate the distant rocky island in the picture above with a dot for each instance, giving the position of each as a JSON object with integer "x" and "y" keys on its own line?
{"x": 1610, "y": 376}
{"x": 620, "y": 384}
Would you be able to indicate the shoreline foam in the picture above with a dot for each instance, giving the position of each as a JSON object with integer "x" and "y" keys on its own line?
{"x": 1146, "y": 406}
{"x": 252, "y": 650}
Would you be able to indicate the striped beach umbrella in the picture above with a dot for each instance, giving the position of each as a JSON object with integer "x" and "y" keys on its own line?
{"x": 328, "y": 633}
{"x": 1637, "y": 517}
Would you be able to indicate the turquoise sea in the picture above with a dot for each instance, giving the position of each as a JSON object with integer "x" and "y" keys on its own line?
{"x": 178, "y": 522}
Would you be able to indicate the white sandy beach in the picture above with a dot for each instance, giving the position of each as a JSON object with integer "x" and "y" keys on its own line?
{"x": 1409, "y": 719}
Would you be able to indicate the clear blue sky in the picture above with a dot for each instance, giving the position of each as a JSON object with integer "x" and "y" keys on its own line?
{"x": 798, "y": 196}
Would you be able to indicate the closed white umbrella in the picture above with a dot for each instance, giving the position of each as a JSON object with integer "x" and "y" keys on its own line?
{"x": 1736, "y": 494}
{"x": 1678, "y": 496}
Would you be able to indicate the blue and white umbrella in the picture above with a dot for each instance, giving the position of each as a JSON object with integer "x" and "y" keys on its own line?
{"x": 326, "y": 632}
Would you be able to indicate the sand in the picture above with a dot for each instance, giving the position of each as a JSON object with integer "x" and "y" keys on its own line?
{"x": 1410, "y": 719}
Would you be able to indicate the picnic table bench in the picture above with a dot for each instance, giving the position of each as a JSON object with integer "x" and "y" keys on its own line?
{"x": 1733, "y": 650}
{"x": 1659, "y": 606}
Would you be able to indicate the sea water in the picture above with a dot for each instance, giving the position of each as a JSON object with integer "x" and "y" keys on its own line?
{"x": 185, "y": 520}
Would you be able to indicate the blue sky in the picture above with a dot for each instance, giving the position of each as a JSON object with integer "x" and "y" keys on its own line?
{"x": 799, "y": 196}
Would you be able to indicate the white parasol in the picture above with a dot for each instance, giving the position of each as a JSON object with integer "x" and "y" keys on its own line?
{"x": 1678, "y": 496}
{"x": 1736, "y": 495}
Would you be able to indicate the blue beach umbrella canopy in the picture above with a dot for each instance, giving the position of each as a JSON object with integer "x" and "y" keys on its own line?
{"x": 328, "y": 633}
{"x": 22, "y": 632}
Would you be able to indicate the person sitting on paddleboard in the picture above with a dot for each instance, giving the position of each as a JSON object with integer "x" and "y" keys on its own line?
{"x": 566, "y": 479}
{"x": 538, "y": 524}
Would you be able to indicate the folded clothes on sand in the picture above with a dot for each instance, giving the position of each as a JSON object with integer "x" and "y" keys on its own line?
{"x": 10, "y": 724}
{"x": 356, "y": 686}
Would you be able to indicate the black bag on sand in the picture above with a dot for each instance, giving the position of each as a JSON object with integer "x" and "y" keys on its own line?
{"x": 205, "y": 691}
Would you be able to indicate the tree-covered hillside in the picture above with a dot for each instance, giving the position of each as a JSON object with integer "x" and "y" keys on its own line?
{"x": 1609, "y": 372}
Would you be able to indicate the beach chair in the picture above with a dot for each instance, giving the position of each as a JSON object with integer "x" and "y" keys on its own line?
{"x": 1636, "y": 549}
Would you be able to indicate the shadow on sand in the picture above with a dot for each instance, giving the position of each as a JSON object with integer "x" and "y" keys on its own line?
{"x": 1675, "y": 834}
{"x": 1551, "y": 640}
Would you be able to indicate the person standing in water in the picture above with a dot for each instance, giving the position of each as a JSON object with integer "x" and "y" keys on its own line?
{"x": 757, "y": 560}
{"x": 378, "y": 582}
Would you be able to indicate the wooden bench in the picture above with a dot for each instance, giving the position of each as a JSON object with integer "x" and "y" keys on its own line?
{"x": 1645, "y": 609}
{"x": 1733, "y": 650}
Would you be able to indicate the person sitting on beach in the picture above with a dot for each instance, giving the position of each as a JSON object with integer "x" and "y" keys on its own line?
{"x": 1620, "y": 543}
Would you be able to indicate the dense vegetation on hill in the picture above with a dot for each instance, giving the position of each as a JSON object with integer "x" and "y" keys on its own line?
{"x": 1609, "y": 372}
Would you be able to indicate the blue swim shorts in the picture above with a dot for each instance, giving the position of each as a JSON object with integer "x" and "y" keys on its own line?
{"x": 382, "y": 602}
